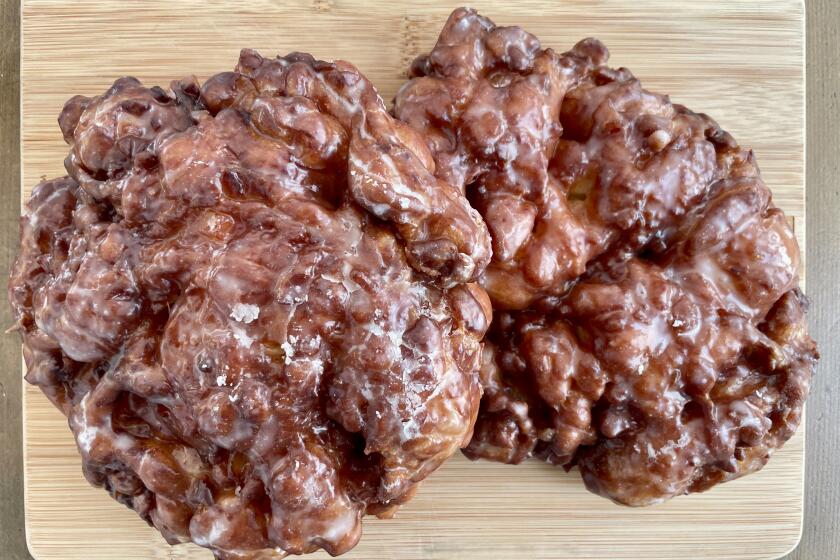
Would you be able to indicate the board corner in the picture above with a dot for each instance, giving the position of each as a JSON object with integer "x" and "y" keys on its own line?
{"x": 31, "y": 547}
{"x": 790, "y": 546}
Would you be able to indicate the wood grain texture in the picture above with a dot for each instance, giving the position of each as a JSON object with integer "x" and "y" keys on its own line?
{"x": 741, "y": 61}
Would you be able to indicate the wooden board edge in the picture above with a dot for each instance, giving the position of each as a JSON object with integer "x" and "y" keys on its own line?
{"x": 803, "y": 23}
{"x": 27, "y": 513}
{"x": 31, "y": 545}
{"x": 801, "y": 14}
{"x": 21, "y": 143}
{"x": 800, "y": 495}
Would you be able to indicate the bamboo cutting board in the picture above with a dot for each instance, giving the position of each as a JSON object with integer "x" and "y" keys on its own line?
{"x": 740, "y": 61}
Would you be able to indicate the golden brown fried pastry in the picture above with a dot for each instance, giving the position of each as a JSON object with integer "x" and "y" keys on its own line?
{"x": 487, "y": 99}
{"x": 648, "y": 326}
{"x": 255, "y": 340}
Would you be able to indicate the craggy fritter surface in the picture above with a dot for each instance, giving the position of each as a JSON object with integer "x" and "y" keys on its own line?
{"x": 248, "y": 299}
{"x": 487, "y": 99}
{"x": 648, "y": 327}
